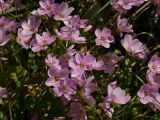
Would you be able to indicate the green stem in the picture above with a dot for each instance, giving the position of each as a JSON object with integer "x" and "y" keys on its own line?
{"x": 2, "y": 74}
{"x": 139, "y": 79}
{"x": 17, "y": 52}
{"x": 145, "y": 33}
{"x": 140, "y": 9}
{"x": 10, "y": 112}
{"x": 108, "y": 3}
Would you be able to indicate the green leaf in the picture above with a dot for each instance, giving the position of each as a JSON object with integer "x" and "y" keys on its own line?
{"x": 14, "y": 77}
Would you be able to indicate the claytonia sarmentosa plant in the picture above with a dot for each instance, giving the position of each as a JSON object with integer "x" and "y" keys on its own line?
{"x": 70, "y": 59}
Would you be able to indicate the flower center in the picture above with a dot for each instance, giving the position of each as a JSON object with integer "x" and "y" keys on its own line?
{"x": 146, "y": 93}
{"x": 32, "y": 29}
{"x": 61, "y": 15}
{"x": 57, "y": 78}
{"x": 154, "y": 67}
{"x": 43, "y": 43}
{"x": 103, "y": 39}
{"x": 82, "y": 65}
{"x": 48, "y": 8}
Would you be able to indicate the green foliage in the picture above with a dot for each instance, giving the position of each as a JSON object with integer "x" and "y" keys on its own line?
{"x": 25, "y": 72}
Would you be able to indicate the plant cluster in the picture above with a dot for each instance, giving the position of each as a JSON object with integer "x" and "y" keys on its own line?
{"x": 57, "y": 63}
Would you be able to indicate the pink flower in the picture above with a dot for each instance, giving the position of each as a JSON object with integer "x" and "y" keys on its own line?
{"x": 107, "y": 108}
{"x": 47, "y": 7}
{"x": 110, "y": 62}
{"x": 42, "y": 42}
{"x": 134, "y": 46}
{"x": 65, "y": 88}
{"x": 81, "y": 63}
{"x": 153, "y": 77}
{"x": 64, "y": 59}
{"x": 88, "y": 28}
{"x": 148, "y": 93}
{"x": 123, "y": 25}
{"x": 125, "y": 5}
{"x": 118, "y": 7}
{"x": 116, "y": 94}
{"x": 154, "y": 64}
{"x": 3, "y": 38}
{"x": 7, "y": 25}
{"x": 153, "y": 73}
{"x": 145, "y": 93}
{"x": 65, "y": 101}
{"x": 104, "y": 37}
{"x": 98, "y": 65}
{"x": 5, "y": 5}
{"x": 52, "y": 61}
{"x": 77, "y": 112}
{"x": 30, "y": 27}
{"x": 3, "y": 21}
{"x": 64, "y": 33}
{"x": 12, "y": 26}
{"x": 63, "y": 12}
{"x": 70, "y": 52}
{"x": 84, "y": 62}
{"x": 75, "y": 37}
{"x": 86, "y": 88}
{"x": 56, "y": 75}
{"x": 76, "y": 23}
{"x": 23, "y": 40}
{"x": 69, "y": 34}
{"x": 3, "y": 93}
